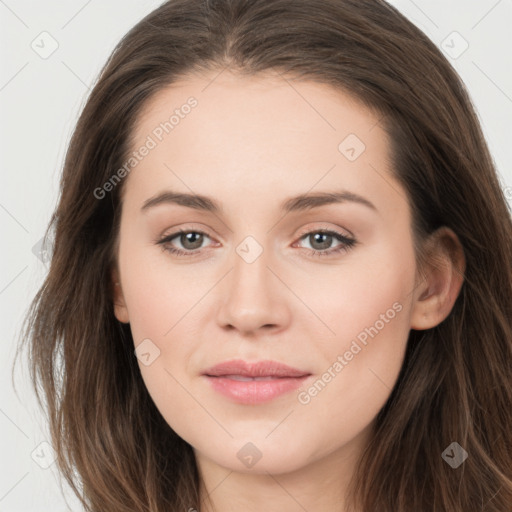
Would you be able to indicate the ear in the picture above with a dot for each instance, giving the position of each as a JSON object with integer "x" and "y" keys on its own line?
{"x": 442, "y": 274}
{"x": 120, "y": 309}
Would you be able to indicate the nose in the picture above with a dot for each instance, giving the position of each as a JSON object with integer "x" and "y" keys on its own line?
{"x": 254, "y": 298}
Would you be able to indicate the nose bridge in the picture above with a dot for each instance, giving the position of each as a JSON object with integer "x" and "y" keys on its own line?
{"x": 253, "y": 295}
{"x": 250, "y": 262}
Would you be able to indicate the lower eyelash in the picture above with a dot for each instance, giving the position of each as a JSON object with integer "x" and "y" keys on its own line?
{"x": 346, "y": 245}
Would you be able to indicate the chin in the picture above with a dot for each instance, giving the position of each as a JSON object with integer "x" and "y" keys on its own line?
{"x": 244, "y": 456}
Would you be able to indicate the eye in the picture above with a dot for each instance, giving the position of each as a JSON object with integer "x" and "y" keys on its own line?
{"x": 191, "y": 241}
{"x": 322, "y": 239}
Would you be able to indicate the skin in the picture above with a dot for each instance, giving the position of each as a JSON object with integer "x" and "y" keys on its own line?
{"x": 250, "y": 144}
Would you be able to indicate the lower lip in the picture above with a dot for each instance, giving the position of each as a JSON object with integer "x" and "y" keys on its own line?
{"x": 255, "y": 391}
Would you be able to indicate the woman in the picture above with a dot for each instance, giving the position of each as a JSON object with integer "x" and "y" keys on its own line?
{"x": 195, "y": 351}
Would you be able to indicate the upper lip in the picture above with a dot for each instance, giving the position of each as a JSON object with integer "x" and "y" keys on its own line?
{"x": 260, "y": 369}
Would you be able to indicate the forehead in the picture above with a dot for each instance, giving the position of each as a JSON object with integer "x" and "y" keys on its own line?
{"x": 253, "y": 135}
{"x": 266, "y": 104}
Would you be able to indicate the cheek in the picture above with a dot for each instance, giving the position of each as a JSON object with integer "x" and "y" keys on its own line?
{"x": 370, "y": 289}
{"x": 162, "y": 301}
{"x": 347, "y": 394}
{"x": 367, "y": 307}
{"x": 159, "y": 294}
{"x": 357, "y": 379}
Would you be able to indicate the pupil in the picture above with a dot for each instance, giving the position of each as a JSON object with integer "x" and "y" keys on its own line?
{"x": 326, "y": 243}
{"x": 188, "y": 238}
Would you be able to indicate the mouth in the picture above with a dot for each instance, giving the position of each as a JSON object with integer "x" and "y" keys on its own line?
{"x": 243, "y": 378}
{"x": 247, "y": 383}
{"x": 240, "y": 368}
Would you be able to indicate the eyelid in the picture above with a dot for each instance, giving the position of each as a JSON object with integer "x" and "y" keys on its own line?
{"x": 307, "y": 230}
{"x": 304, "y": 231}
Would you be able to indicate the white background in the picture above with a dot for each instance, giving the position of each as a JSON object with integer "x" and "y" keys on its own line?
{"x": 40, "y": 100}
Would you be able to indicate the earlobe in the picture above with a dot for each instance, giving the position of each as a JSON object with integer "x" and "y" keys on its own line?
{"x": 443, "y": 273}
{"x": 120, "y": 309}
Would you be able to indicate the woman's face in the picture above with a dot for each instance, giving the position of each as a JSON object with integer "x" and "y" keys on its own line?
{"x": 249, "y": 285}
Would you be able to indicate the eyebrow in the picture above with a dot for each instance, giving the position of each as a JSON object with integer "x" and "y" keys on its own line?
{"x": 299, "y": 203}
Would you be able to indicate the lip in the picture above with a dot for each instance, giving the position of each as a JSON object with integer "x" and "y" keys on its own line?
{"x": 260, "y": 369}
{"x": 272, "y": 379}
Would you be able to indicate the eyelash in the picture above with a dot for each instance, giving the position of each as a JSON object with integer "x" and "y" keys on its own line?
{"x": 347, "y": 242}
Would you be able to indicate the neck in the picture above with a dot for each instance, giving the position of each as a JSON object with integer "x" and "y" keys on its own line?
{"x": 319, "y": 485}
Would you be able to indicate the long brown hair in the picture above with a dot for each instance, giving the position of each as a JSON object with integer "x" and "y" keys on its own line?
{"x": 113, "y": 446}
